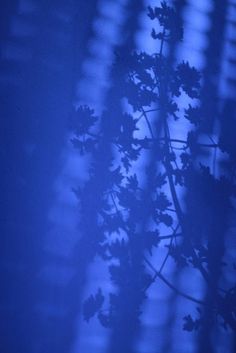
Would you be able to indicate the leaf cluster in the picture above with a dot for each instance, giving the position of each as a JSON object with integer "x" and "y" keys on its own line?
{"x": 126, "y": 213}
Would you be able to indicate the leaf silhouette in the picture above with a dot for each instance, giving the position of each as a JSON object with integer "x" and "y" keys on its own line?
{"x": 190, "y": 324}
{"x": 92, "y": 305}
{"x": 189, "y": 79}
{"x": 83, "y": 120}
{"x": 132, "y": 182}
{"x": 124, "y": 208}
{"x": 193, "y": 114}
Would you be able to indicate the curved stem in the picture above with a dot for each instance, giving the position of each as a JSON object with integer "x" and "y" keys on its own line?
{"x": 171, "y": 286}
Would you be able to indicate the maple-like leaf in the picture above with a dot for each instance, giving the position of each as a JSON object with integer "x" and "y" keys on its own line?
{"x": 168, "y": 19}
{"x": 192, "y": 141}
{"x": 190, "y": 324}
{"x": 112, "y": 223}
{"x": 118, "y": 248}
{"x": 166, "y": 219}
{"x": 185, "y": 159}
{"x": 83, "y": 120}
{"x": 193, "y": 114}
{"x": 126, "y": 163}
{"x": 92, "y": 305}
{"x": 162, "y": 202}
{"x": 150, "y": 240}
{"x": 160, "y": 180}
{"x": 105, "y": 320}
{"x": 189, "y": 78}
{"x": 132, "y": 182}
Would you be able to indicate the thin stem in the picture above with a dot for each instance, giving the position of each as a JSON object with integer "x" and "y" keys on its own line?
{"x": 168, "y": 252}
{"x": 171, "y": 140}
{"x": 164, "y": 237}
{"x": 171, "y": 286}
{"x": 148, "y": 123}
{"x": 171, "y": 210}
{"x": 162, "y": 41}
{"x": 114, "y": 202}
{"x": 152, "y": 110}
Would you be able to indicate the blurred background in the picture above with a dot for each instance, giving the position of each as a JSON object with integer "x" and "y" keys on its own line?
{"x": 55, "y": 55}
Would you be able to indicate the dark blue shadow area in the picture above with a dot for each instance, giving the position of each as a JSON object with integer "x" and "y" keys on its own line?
{"x": 118, "y": 176}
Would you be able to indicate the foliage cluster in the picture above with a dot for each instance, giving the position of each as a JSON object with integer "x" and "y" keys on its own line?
{"x": 126, "y": 210}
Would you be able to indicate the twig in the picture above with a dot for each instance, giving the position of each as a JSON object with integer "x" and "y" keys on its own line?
{"x": 168, "y": 252}
{"x": 180, "y": 141}
{"x": 163, "y": 237}
{"x": 148, "y": 123}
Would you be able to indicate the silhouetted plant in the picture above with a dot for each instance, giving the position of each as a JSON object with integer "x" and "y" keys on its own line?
{"x": 126, "y": 214}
